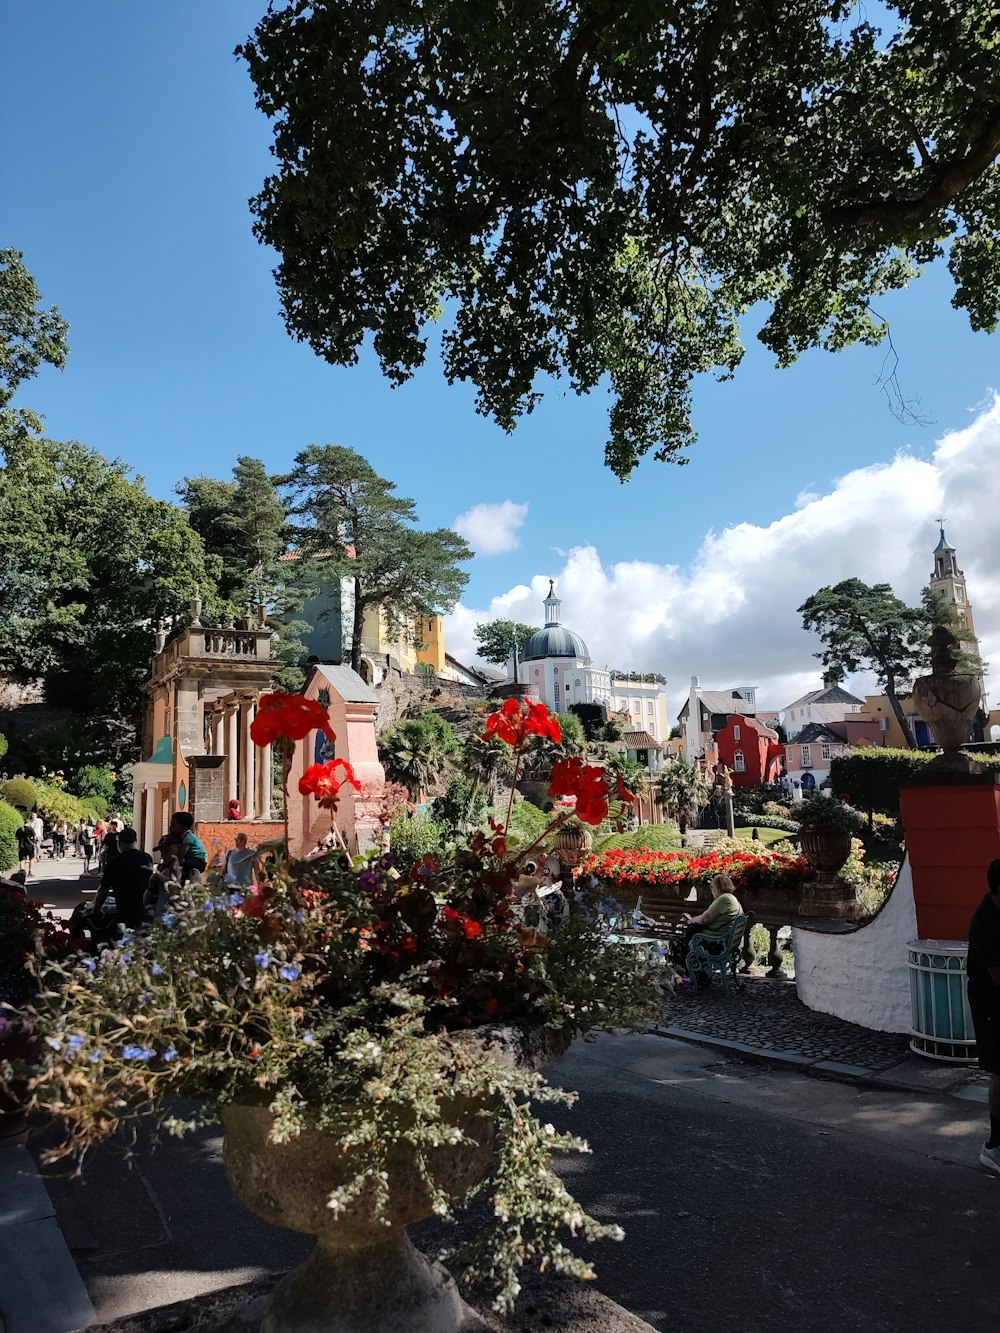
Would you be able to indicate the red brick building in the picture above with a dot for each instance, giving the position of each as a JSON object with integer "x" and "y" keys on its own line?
{"x": 750, "y": 750}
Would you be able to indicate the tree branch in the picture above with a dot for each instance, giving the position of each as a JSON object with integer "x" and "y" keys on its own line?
{"x": 945, "y": 181}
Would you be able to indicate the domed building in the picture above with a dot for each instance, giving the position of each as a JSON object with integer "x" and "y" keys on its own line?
{"x": 555, "y": 662}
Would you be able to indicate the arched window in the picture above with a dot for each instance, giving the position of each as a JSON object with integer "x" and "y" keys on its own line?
{"x": 739, "y": 763}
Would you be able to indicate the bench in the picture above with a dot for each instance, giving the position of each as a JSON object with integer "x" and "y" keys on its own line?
{"x": 718, "y": 955}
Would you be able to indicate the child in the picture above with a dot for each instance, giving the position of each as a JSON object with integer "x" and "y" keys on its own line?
{"x": 165, "y": 881}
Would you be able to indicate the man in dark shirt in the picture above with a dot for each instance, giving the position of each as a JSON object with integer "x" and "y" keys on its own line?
{"x": 983, "y": 967}
{"x": 126, "y": 877}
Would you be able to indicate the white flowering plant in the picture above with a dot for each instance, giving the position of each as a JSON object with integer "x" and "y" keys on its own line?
{"x": 333, "y": 992}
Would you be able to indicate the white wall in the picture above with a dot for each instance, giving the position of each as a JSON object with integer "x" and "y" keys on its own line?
{"x": 862, "y": 976}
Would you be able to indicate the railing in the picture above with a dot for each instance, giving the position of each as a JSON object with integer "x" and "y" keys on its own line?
{"x": 230, "y": 643}
{"x": 249, "y": 645}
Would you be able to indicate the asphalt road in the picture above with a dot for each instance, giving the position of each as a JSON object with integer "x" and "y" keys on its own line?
{"x": 752, "y": 1201}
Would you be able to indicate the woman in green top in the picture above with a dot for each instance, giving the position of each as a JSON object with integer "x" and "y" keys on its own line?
{"x": 716, "y": 919}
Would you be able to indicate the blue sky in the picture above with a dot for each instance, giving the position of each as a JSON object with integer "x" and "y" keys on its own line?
{"x": 131, "y": 146}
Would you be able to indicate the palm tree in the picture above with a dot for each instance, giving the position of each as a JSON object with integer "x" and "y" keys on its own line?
{"x": 683, "y": 790}
{"x": 488, "y": 764}
{"x": 415, "y": 754}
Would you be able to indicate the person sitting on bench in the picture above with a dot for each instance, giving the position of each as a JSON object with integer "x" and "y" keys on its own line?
{"x": 716, "y": 919}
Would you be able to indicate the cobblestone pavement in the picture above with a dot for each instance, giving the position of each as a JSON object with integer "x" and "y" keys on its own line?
{"x": 768, "y": 1015}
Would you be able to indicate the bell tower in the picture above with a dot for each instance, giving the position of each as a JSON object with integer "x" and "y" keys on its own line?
{"x": 948, "y": 582}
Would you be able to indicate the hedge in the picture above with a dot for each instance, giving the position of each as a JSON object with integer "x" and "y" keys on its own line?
{"x": 767, "y": 821}
{"x": 20, "y": 793}
{"x": 10, "y": 822}
{"x": 870, "y": 777}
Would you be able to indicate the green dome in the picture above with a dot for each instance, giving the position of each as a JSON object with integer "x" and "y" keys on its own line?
{"x": 554, "y": 641}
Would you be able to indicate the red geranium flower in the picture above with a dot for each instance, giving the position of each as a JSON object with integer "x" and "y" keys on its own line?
{"x": 518, "y": 719}
{"x": 572, "y": 777}
{"x": 291, "y": 715}
{"x": 321, "y": 781}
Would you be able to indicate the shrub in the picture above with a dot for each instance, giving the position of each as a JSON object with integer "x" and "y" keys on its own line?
{"x": 480, "y": 705}
{"x": 776, "y": 808}
{"x": 96, "y": 807}
{"x": 461, "y": 808}
{"x": 92, "y": 780}
{"x": 823, "y": 813}
{"x": 527, "y": 822}
{"x": 768, "y": 821}
{"x": 872, "y": 776}
{"x": 20, "y": 793}
{"x": 10, "y": 822}
{"x": 748, "y": 801}
{"x": 414, "y": 836}
{"x": 53, "y": 802}
{"x": 655, "y": 837}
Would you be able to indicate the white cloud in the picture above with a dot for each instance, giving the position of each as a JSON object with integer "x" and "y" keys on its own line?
{"x": 731, "y": 617}
{"x": 492, "y": 529}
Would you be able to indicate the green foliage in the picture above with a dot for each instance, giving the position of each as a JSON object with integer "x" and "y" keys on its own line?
{"x": 488, "y": 763}
{"x": 242, "y": 523}
{"x": 527, "y": 822}
{"x": 94, "y": 781}
{"x": 3, "y": 745}
{"x": 766, "y": 834}
{"x": 574, "y": 740}
{"x": 416, "y": 751}
{"x": 54, "y": 802}
{"x": 29, "y": 337}
{"x": 412, "y": 836}
{"x": 683, "y": 790}
{"x": 655, "y": 837}
{"x": 20, "y": 793}
{"x": 603, "y": 191}
{"x": 768, "y": 821}
{"x": 460, "y": 809}
{"x": 10, "y": 821}
{"x": 347, "y": 522}
{"x": 631, "y": 773}
{"x": 869, "y": 629}
{"x": 594, "y": 720}
{"x": 495, "y": 638}
{"x": 644, "y": 677}
{"x": 826, "y": 813}
{"x": 91, "y": 563}
{"x": 871, "y": 776}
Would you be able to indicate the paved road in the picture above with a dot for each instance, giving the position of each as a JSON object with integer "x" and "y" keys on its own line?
{"x": 752, "y": 1201}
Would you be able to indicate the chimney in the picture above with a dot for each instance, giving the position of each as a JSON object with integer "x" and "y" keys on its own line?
{"x": 694, "y": 682}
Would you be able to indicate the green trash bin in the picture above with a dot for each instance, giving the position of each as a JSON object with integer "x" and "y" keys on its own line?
{"x": 942, "y": 1024}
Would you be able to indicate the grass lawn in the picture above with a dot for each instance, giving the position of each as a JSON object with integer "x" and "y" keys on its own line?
{"x": 767, "y": 835}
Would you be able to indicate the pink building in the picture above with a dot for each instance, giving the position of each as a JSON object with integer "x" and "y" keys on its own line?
{"x": 352, "y": 706}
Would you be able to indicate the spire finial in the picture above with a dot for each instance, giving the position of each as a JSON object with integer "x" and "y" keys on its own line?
{"x": 551, "y": 585}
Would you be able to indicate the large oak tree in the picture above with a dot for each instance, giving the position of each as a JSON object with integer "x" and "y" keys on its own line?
{"x": 602, "y": 189}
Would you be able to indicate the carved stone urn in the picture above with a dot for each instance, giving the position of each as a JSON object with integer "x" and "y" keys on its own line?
{"x": 948, "y": 700}
{"x": 825, "y": 848}
{"x": 364, "y": 1276}
{"x": 571, "y": 845}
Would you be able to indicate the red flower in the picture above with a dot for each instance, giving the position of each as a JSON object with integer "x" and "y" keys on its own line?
{"x": 623, "y": 792}
{"x": 472, "y": 929}
{"x": 518, "y": 719}
{"x": 290, "y": 715}
{"x": 572, "y": 777}
{"x": 321, "y": 781}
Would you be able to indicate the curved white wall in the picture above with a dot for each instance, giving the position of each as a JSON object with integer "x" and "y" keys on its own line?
{"x": 862, "y": 976}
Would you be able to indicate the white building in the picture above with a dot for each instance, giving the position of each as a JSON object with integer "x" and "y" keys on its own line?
{"x": 830, "y": 703}
{"x": 556, "y": 663}
{"x": 705, "y": 712}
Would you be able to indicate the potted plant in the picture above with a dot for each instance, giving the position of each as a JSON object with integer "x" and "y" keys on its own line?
{"x": 828, "y": 827}
{"x": 370, "y": 1035}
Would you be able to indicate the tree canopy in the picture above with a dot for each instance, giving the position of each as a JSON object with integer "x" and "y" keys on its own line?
{"x": 29, "y": 336}
{"x": 870, "y": 629}
{"x": 347, "y": 522}
{"x": 496, "y": 637}
{"x": 601, "y": 189}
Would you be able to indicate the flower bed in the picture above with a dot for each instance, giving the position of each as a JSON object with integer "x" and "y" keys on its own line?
{"x": 749, "y": 870}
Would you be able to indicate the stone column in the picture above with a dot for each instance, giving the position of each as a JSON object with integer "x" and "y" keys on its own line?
{"x": 231, "y": 750}
{"x": 248, "y": 707}
{"x": 218, "y": 732}
{"x": 265, "y": 779}
{"x": 149, "y": 822}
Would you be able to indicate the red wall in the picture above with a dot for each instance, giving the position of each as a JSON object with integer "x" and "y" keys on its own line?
{"x": 754, "y": 747}
{"x": 952, "y": 834}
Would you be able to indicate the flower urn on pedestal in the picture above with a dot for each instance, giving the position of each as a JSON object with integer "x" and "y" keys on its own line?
{"x": 828, "y": 828}
{"x": 572, "y": 845}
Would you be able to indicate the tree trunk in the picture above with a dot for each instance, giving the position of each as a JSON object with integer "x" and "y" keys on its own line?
{"x": 358, "y": 628}
{"x": 901, "y": 718}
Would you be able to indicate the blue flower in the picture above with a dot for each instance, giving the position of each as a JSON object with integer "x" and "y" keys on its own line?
{"x": 262, "y": 959}
{"x": 289, "y": 972}
{"x": 76, "y": 1041}
{"x": 208, "y": 907}
{"x": 89, "y": 964}
{"x": 298, "y": 917}
{"x": 170, "y": 1053}
{"x": 94, "y": 1056}
{"x": 138, "y": 1052}
{"x": 169, "y": 919}
{"x": 308, "y": 1038}
{"x": 156, "y": 970}
{"x": 235, "y": 899}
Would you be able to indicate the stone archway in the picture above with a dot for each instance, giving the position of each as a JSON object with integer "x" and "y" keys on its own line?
{"x": 366, "y": 670}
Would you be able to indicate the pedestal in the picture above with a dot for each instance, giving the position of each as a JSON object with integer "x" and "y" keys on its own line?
{"x": 829, "y": 897}
{"x": 952, "y": 834}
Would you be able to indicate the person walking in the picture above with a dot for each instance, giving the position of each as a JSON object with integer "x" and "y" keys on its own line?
{"x": 27, "y": 848}
{"x": 982, "y": 965}
{"x": 126, "y": 876}
{"x": 59, "y": 840}
{"x": 39, "y": 827}
{"x": 88, "y": 842}
{"x": 78, "y": 837}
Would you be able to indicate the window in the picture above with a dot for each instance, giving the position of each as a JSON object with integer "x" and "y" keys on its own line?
{"x": 736, "y": 732}
{"x": 649, "y": 707}
{"x": 824, "y": 751}
{"x": 555, "y": 687}
{"x": 807, "y": 756}
{"x": 739, "y": 763}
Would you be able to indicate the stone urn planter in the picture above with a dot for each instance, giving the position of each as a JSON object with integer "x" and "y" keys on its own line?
{"x": 364, "y": 1276}
{"x": 572, "y": 844}
{"x": 825, "y": 849}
